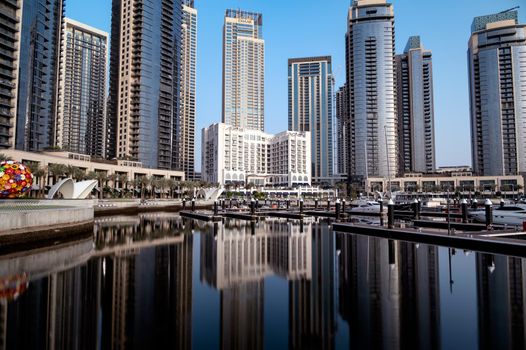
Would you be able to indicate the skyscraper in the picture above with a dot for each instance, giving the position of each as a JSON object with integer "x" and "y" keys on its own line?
{"x": 497, "y": 82}
{"x": 414, "y": 72}
{"x": 310, "y": 85}
{"x": 342, "y": 129}
{"x": 185, "y": 135}
{"x": 80, "y": 125}
{"x": 371, "y": 77}
{"x": 143, "y": 106}
{"x": 38, "y": 56}
{"x": 243, "y": 70}
{"x": 10, "y": 55}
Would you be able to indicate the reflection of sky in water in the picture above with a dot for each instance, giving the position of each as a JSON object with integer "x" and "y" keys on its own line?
{"x": 267, "y": 286}
{"x": 458, "y": 308}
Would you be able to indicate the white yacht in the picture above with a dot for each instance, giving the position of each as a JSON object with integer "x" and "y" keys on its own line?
{"x": 509, "y": 214}
{"x": 366, "y": 206}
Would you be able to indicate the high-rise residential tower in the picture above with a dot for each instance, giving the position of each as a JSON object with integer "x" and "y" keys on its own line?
{"x": 310, "y": 85}
{"x": 10, "y": 12}
{"x": 38, "y": 69}
{"x": 342, "y": 129}
{"x": 414, "y": 72}
{"x": 243, "y": 70}
{"x": 80, "y": 125}
{"x": 497, "y": 74}
{"x": 185, "y": 135}
{"x": 370, "y": 39}
{"x": 143, "y": 103}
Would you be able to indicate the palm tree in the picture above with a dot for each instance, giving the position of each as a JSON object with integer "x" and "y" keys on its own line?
{"x": 154, "y": 183}
{"x": 4, "y": 157}
{"x": 57, "y": 171}
{"x": 101, "y": 177}
{"x": 113, "y": 178}
{"x": 38, "y": 175}
{"x": 143, "y": 182}
{"x": 172, "y": 185}
{"x": 123, "y": 182}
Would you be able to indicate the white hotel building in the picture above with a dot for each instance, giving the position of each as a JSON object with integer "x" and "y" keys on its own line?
{"x": 241, "y": 156}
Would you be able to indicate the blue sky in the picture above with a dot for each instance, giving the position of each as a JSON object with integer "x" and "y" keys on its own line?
{"x": 296, "y": 28}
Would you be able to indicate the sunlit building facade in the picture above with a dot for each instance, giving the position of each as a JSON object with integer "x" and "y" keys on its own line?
{"x": 370, "y": 41}
{"x": 243, "y": 70}
{"x": 497, "y": 81}
{"x": 185, "y": 135}
{"x": 240, "y": 156}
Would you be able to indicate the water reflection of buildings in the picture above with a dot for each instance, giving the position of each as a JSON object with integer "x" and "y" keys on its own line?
{"x": 389, "y": 293}
{"x": 236, "y": 257}
{"x": 501, "y": 292}
{"x": 128, "y": 297}
{"x": 311, "y": 301}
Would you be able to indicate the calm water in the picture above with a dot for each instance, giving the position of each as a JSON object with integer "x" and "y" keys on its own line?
{"x": 156, "y": 280}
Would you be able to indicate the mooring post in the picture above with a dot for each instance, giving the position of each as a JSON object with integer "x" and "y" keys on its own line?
{"x": 328, "y": 204}
{"x": 215, "y": 208}
{"x": 475, "y": 203}
{"x": 301, "y": 205}
{"x": 390, "y": 214}
{"x": 343, "y": 206}
{"x": 252, "y": 206}
{"x": 489, "y": 213}
{"x": 419, "y": 206}
{"x": 288, "y": 204}
{"x": 337, "y": 209}
{"x": 502, "y": 202}
{"x": 416, "y": 213}
{"x": 464, "y": 207}
{"x": 381, "y": 212}
{"x": 193, "y": 204}
{"x": 316, "y": 203}
{"x": 184, "y": 203}
{"x": 257, "y": 204}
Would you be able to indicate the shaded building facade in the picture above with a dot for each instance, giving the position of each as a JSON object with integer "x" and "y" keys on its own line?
{"x": 144, "y": 95}
{"x": 342, "y": 130}
{"x": 415, "y": 108}
{"x": 311, "y": 85}
{"x": 80, "y": 125}
{"x": 38, "y": 72}
{"x": 10, "y": 17}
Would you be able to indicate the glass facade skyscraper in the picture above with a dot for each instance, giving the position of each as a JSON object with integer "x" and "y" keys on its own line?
{"x": 80, "y": 125}
{"x": 416, "y": 134}
{"x": 310, "y": 84}
{"x": 185, "y": 136}
{"x": 40, "y": 35}
{"x": 370, "y": 39}
{"x": 497, "y": 82}
{"x": 144, "y": 96}
{"x": 243, "y": 70}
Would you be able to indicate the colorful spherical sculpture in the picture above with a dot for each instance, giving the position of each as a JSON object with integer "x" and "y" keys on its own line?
{"x": 15, "y": 179}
